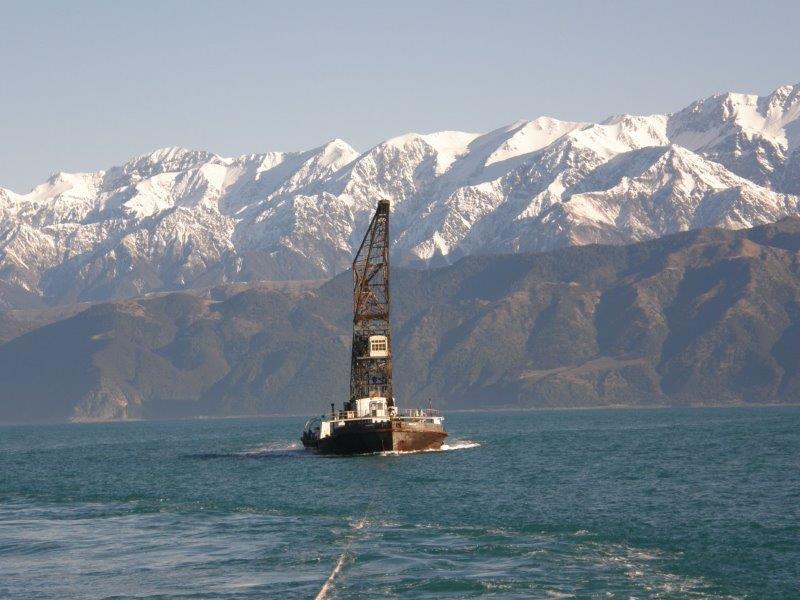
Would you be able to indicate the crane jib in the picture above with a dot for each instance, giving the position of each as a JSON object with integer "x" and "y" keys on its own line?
{"x": 371, "y": 353}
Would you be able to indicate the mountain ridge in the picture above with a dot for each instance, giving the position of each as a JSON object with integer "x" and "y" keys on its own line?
{"x": 179, "y": 219}
{"x": 709, "y": 316}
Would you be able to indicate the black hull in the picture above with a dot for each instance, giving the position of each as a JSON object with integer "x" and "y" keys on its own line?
{"x": 369, "y": 438}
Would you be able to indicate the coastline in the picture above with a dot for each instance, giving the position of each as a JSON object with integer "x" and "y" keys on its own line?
{"x": 445, "y": 411}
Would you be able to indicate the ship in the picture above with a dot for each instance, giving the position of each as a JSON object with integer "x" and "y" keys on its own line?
{"x": 370, "y": 421}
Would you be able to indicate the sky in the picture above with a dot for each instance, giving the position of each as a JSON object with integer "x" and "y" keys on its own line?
{"x": 88, "y": 85}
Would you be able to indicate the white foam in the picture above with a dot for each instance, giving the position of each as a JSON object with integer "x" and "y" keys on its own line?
{"x": 456, "y": 445}
{"x": 356, "y": 526}
{"x": 323, "y": 592}
{"x": 582, "y": 532}
{"x": 276, "y": 447}
{"x": 459, "y": 445}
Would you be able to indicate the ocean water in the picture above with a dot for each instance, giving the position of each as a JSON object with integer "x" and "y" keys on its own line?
{"x": 673, "y": 503}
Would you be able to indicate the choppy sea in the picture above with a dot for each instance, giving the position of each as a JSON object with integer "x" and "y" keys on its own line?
{"x": 666, "y": 503}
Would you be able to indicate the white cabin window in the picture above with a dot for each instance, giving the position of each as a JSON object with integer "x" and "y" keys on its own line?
{"x": 378, "y": 346}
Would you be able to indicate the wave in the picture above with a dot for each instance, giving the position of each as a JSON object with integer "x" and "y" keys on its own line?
{"x": 455, "y": 445}
{"x": 270, "y": 448}
{"x": 276, "y": 449}
{"x": 355, "y": 526}
{"x": 285, "y": 449}
{"x": 323, "y": 593}
{"x": 459, "y": 445}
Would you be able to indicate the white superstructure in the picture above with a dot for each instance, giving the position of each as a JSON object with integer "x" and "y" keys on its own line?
{"x": 375, "y": 411}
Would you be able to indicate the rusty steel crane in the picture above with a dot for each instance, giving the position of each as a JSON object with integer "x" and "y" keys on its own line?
{"x": 371, "y": 359}
{"x": 371, "y": 421}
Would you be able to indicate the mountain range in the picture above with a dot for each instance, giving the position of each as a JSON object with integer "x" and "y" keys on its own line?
{"x": 709, "y": 316}
{"x": 178, "y": 219}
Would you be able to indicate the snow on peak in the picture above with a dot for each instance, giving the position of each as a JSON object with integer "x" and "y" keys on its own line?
{"x": 449, "y": 146}
{"x": 439, "y": 140}
{"x": 622, "y": 134}
{"x": 336, "y": 154}
{"x": 709, "y": 122}
{"x": 526, "y": 137}
{"x": 163, "y": 160}
{"x": 172, "y": 156}
{"x": 177, "y": 217}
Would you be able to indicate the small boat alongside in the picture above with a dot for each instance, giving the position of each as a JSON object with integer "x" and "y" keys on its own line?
{"x": 370, "y": 421}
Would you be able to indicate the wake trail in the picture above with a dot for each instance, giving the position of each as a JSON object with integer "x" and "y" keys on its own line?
{"x": 276, "y": 449}
{"x": 326, "y": 587}
{"x": 323, "y": 593}
{"x": 455, "y": 445}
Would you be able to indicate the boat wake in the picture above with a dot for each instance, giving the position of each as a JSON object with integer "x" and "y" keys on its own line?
{"x": 323, "y": 592}
{"x": 285, "y": 449}
{"x": 458, "y": 445}
{"x": 455, "y": 445}
{"x": 346, "y": 554}
{"x": 280, "y": 449}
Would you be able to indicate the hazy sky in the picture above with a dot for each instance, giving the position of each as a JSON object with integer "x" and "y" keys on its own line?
{"x": 86, "y": 85}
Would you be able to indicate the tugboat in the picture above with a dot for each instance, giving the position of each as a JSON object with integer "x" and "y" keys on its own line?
{"x": 370, "y": 421}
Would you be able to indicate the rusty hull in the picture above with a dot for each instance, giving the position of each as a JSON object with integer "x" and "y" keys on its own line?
{"x": 365, "y": 437}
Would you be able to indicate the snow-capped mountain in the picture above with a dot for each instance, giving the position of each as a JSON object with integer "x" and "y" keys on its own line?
{"x": 179, "y": 218}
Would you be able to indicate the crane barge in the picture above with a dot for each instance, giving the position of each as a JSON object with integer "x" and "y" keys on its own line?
{"x": 370, "y": 421}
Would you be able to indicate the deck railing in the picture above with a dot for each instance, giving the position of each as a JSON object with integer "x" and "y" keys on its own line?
{"x": 403, "y": 413}
{"x": 420, "y": 413}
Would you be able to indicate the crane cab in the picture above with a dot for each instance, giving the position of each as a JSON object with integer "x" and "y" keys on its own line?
{"x": 378, "y": 346}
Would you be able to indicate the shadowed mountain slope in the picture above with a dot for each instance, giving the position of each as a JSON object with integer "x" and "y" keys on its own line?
{"x": 705, "y": 317}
